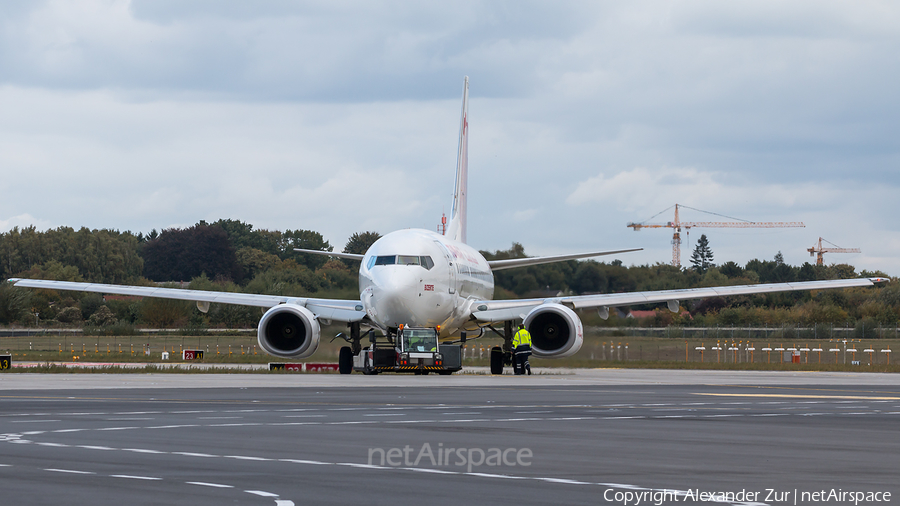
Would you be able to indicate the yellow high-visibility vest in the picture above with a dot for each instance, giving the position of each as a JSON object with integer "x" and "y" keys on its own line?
{"x": 521, "y": 337}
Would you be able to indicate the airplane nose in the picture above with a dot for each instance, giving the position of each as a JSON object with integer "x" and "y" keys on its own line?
{"x": 394, "y": 292}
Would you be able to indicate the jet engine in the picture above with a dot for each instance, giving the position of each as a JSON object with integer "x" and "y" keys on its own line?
{"x": 289, "y": 331}
{"x": 556, "y": 331}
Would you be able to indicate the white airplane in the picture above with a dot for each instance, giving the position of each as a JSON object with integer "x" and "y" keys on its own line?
{"x": 418, "y": 278}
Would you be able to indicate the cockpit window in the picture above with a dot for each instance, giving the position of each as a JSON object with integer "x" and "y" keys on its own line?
{"x": 424, "y": 261}
{"x": 386, "y": 260}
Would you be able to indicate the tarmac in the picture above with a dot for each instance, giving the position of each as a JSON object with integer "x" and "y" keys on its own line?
{"x": 561, "y": 436}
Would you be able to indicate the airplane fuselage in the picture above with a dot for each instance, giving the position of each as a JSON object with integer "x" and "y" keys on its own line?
{"x": 421, "y": 278}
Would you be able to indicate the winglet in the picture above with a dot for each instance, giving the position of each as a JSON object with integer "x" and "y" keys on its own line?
{"x": 456, "y": 230}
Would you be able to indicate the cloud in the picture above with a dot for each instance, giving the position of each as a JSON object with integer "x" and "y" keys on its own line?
{"x": 340, "y": 117}
{"x": 23, "y": 221}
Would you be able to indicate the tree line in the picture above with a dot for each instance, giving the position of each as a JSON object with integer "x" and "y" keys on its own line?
{"x": 232, "y": 255}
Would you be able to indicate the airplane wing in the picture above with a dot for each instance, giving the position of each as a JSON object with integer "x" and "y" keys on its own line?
{"x": 501, "y": 310}
{"x": 351, "y": 256}
{"x": 330, "y": 309}
{"x": 499, "y": 265}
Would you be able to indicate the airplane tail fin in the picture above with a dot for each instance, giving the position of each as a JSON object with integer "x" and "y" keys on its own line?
{"x": 456, "y": 230}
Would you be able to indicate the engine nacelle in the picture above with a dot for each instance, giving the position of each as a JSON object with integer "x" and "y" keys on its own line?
{"x": 289, "y": 331}
{"x": 556, "y": 331}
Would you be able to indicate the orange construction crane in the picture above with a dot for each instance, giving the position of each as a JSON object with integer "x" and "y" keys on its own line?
{"x": 677, "y": 225}
{"x": 820, "y": 251}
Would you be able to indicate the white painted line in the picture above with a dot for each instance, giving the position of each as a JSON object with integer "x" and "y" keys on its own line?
{"x": 560, "y": 480}
{"x": 129, "y": 419}
{"x": 139, "y": 450}
{"x": 139, "y": 413}
{"x": 203, "y": 484}
{"x": 261, "y": 493}
{"x": 387, "y": 414}
{"x": 219, "y": 417}
{"x": 5, "y": 465}
{"x": 68, "y": 430}
{"x": 33, "y": 433}
{"x": 364, "y": 466}
{"x": 283, "y": 502}
{"x": 172, "y": 426}
{"x": 69, "y": 471}
{"x": 313, "y": 462}
{"x": 119, "y": 428}
{"x": 33, "y": 421}
{"x": 189, "y": 412}
{"x": 772, "y": 414}
{"x": 129, "y": 477}
{"x": 189, "y": 454}
{"x": 244, "y": 457}
{"x": 89, "y": 447}
{"x": 56, "y": 445}
{"x": 457, "y": 413}
{"x": 304, "y": 416}
{"x": 427, "y": 470}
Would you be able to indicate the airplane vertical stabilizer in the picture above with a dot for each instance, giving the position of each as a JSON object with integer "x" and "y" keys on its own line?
{"x": 456, "y": 230}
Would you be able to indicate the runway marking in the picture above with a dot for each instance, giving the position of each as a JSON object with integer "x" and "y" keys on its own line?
{"x": 191, "y": 454}
{"x": 854, "y": 398}
{"x": 261, "y": 493}
{"x": 56, "y": 445}
{"x": 89, "y": 447}
{"x": 387, "y": 414}
{"x": 130, "y": 477}
{"x": 141, "y": 450}
{"x": 69, "y": 471}
{"x": 204, "y": 484}
{"x": 246, "y": 457}
{"x": 33, "y": 421}
{"x": 219, "y": 417}
{"x": 126, "y": 419}
{"x": 305, "y": 416}
{"x": 312, "y": 462}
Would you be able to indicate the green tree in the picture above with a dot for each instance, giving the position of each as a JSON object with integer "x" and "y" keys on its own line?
{"x": 360, "y": 242}
{"x": 702, "y": 258}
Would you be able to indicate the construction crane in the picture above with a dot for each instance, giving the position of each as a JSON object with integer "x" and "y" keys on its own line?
{"x": 820, "y": 251}
{"x": 677, "y": 225}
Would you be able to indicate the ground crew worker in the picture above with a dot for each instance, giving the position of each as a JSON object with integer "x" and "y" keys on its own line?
{"x": 522, "y": 349}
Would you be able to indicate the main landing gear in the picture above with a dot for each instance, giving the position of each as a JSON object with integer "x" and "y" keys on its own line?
{"x": 501, "y": 356}
{"x": 345, "y": 359}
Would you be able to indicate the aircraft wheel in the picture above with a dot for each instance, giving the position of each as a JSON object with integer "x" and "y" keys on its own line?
{"x": 345, "y": 360}
{"x": 496, "y": 360}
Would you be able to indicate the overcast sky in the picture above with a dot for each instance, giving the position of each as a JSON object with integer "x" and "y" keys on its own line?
{"x": 342, "y": 117}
